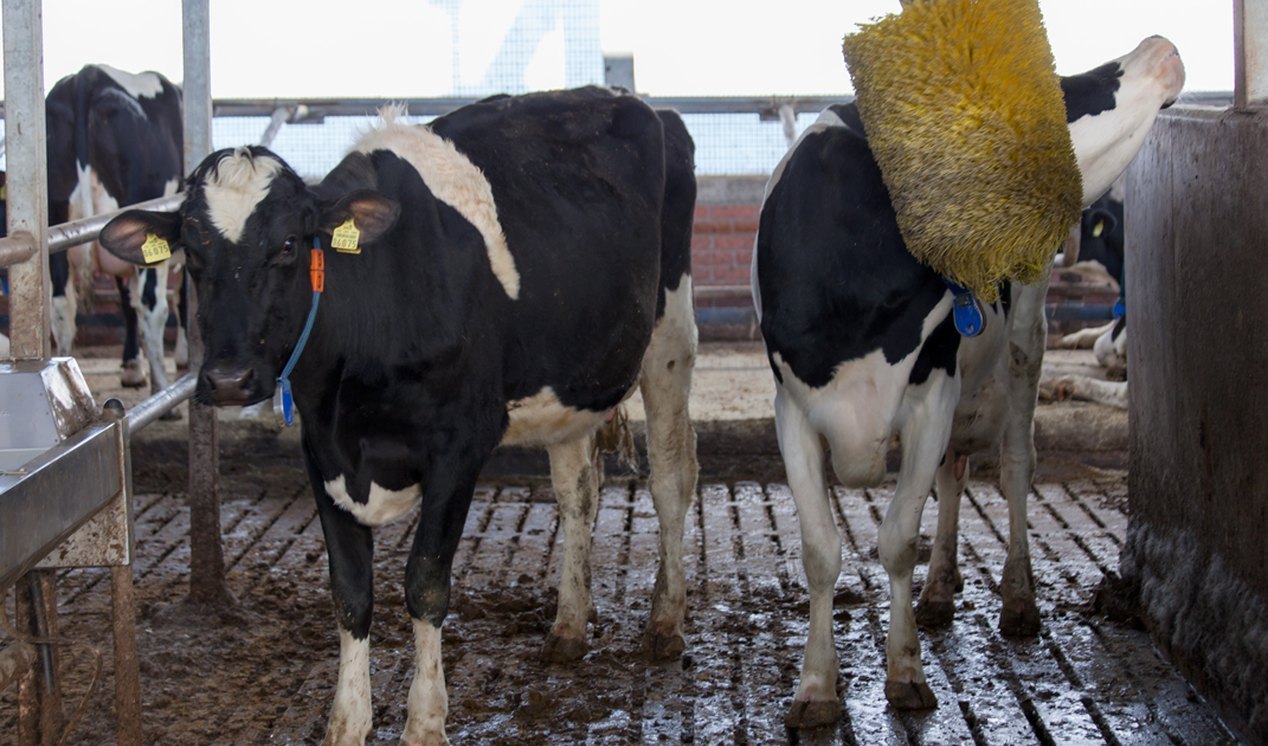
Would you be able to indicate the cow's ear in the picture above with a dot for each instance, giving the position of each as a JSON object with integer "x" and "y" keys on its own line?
{"x": 133, "y": 235}
{"x": 371, "y": 212}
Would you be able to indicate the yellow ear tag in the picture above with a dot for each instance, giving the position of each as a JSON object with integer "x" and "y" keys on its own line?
{"x": 1098, "y": 229}
{"x": 346, "y": 238}
{"x": 155, "y": 249}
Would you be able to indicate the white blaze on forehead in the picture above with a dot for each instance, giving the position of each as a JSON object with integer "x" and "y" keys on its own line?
{"x": 233, "y": 189}
{"x": 454, "y": 179}
{"x": 136, "y": 84}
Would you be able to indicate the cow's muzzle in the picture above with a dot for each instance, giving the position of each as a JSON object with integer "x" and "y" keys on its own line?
{"x": 230, "y": 387}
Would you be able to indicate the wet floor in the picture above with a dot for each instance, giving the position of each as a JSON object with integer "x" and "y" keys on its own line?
{"x": 262, "y": 669}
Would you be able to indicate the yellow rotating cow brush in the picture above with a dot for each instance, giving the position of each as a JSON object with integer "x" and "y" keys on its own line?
{"x": 965, "y": 117}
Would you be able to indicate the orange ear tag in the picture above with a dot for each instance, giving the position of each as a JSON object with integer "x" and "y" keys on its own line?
{"x": 346, "y": 238}
{"x": 317, "y": 270}
{"x": 155, "y": 249}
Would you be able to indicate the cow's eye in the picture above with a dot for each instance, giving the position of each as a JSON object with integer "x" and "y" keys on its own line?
{"x": 290, "y": 245}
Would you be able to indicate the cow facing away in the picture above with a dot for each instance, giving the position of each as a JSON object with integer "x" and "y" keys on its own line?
{"x": 114, "y": 139}
{"x": 522, "y": 263}
{"x": 862, "y": 345}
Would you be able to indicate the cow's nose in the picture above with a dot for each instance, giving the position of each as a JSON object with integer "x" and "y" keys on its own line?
{"x": 231, "y": 387}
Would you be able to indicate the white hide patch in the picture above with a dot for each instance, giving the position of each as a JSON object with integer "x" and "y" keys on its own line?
{"x": 233, "y": 189}
{"x": 383, "y": 505}
{"x": 454, "y": 179}
{"x": 351, "y": 714}
{"x": 428, "y": 701}
{"x": 541, "y": 419}
{"x": 1104, "y": 144}
{"x": 138, "y": 85}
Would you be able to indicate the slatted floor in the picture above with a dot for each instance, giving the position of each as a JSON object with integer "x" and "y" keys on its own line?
{"x": 264, "y": 669}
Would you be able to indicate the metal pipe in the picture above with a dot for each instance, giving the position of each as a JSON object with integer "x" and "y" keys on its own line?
{"x": 161, "y": 403}
{"x": 20, "y": 245}
{"x": 280, "y": 115}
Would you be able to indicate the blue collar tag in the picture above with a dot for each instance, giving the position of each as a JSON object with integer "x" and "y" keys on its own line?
{"x": 1120, "y": 308}
{"x": 284, "y": 402}
{"x": 967, "y": 310}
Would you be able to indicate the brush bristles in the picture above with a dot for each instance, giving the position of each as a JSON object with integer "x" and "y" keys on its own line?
{"x": 965, "y": 117}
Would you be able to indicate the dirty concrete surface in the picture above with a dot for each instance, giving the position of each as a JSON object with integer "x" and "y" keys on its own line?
{"x": 263, "y": 668}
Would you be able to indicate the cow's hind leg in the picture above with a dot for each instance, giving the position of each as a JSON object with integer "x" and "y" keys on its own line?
{"x": 576, "y": 482}
{"x": 132, "y": 375}
{"x": 671, "y": 451}
{"x": 924, "y": 439}
{"x": 64, "y": 303}
{"x": 815, "y": 703}
{"x": 937, "y": 598}
{"x": 152, "y": 312}
{"x": 1020, "y": 615}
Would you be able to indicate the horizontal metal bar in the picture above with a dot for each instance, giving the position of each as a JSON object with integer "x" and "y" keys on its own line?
{"x": 319, "y": 108}
{"x": 160, "y": 403}
{"x": 20, "y": 246}
{"x": 62, "y": 237}
{"x": 54, "y": 494}
{"x": 16, "y": 248}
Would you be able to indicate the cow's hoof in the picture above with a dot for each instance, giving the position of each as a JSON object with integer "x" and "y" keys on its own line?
{"x": 818, "y": 713}
{"x": 934, "y": 614}
{"x": 564, "y": 649}
{"x": 910, "y": 695}
{"x": 132, "y": 376}
{"x": 425, "y": 739}
{"x": 661, "y": 646}
{"x": 1019, "y": 620}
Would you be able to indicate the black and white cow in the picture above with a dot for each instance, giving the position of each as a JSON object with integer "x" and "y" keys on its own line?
{"x": 862, "y": 345}
{"x": 114, "y": 139}
{"x": 1101, "y": 239}
{"x": 523, "y": 263}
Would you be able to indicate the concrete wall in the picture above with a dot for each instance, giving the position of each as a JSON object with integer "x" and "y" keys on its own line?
{"x": 1197, "y": 267}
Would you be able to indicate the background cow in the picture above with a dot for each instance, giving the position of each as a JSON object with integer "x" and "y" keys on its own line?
{"x": 114, "y": 139}
{"x": 862, "y": 345}
{"x": 1100, "y": 255}
{"x": 522, "y": 263}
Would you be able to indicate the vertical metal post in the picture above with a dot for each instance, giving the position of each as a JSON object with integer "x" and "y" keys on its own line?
{"x": 29, "y": 312}
{"x": 206, "y": 553}
{"x": 1250, "y": 53}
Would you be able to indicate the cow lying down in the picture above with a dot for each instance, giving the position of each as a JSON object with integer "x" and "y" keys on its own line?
{"x": 862, "y": 345}
{"x": 505, "y": 275}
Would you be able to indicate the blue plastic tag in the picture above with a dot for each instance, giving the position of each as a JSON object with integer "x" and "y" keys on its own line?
{"x": 969, "y": 319}
{"x": 1120, "y": 308}
{"x": 284, "y": 403}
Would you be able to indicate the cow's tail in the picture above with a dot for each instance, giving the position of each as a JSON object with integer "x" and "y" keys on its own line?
{"x": 615, "y": 437}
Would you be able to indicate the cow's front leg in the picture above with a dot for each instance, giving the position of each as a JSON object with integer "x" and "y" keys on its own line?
{"x": 924, "y": 439}
{"x": 447, "y": 491}
{"x": 671, "y": 452}
{"x": 1020, "y": 615}
{"x": 350, "y": 548}
{"x": 576, "y": 484}
{"x": 937, "y": 599}
{"x": 815, "y": 703}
